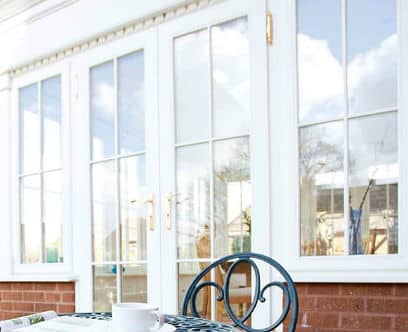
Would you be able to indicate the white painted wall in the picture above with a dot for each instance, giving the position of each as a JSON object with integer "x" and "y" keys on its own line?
{"x": 31, "y": 34}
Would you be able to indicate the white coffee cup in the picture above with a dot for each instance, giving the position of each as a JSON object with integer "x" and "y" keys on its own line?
{"x": 136, "y": 317}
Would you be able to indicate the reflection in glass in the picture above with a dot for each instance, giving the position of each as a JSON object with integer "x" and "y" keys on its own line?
{"x": 320, "y": 73}
{"x": 102, "y": 111}
{"x": 192, "y": 199}
{"x": 104, "y": 277}
{"x": 191, "y": 54}
{"x": 29, "y": 129}
{"x": 134, "y": 283}
{"x": 51, "y": 122}
{"x": 131, "y": 102}
{"x": 30, "y": 215}
{"x": 133, "y": 215}
{"x": 186, "y": 273}
{"x": 373, "y": 181}
{"x": 52, "y": 216}
{"x": 321, "y": 189}
{"x": 372, "y": 54}
{"x": 232, "y": 196}
{"x": 104, "y": 211}
{"x": 239, "y": 289}
{"x": 230, "y": 77}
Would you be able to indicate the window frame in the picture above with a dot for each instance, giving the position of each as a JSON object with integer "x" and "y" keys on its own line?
{"x": 285, "y": 204}
{"x": 36, "y": 77}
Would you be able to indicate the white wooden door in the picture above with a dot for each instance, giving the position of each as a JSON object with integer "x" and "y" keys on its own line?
{"x": 213, "y": 141}
{"x": 116, "y": 182}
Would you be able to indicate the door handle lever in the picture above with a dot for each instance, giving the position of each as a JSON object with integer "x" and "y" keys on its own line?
{"x": 169, "y": 206}
{"x": 169, "y": 209}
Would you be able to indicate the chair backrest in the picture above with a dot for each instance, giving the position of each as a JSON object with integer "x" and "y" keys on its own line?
{"x": 287, "y": 286}
{"x": 203, "y": 248}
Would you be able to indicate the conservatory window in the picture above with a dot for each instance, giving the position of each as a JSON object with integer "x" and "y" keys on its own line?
{"x": 348, "y": 127}
{"x": 40, "y": 172}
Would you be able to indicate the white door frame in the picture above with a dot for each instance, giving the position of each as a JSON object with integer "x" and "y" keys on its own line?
{"x": 81, "y": 142}
{"x": 228, "y": 10}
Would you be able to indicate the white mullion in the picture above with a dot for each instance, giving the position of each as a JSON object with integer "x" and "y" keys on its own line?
{"x": 193, "y": 260}
{"x": 41, "y": 130}
{"x": 211, "y": 148}
{"x": 321, "y": 122}
{"x": 133, "y": 154}
{"x": 119, "y": 262}
{"x": 385, "y": 110}
{"x": 20, "y": 196}
{"x": 374, "y": 112}
{"x": 118, "y": 156}
{"x": 103, "y": 263}
{"x": 225, "y": 138}
{"x": 117, "y": 168}
{"x": 101, "y": 161}
{"x": 217, "y": 139}
{"x": 241, "y": 224}
{"x": 51, "y": 170}
{"x": 345, "y": 130}
{"x": 182, "y": 145}
{"x": 24, "y": 175}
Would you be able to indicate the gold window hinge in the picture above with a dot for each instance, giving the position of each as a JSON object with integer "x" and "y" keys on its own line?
{"x": 269, "y": 28}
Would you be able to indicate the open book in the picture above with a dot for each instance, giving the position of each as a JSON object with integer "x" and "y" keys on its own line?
{"x": 68, "y": 324}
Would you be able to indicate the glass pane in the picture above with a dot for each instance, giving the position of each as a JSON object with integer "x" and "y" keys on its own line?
{"x": 192, "y": 200}
{"x": 230, "y": 78}
{"x": 134, "y": 283}
{"x": 29, "y": 129}
{"x": 52, "y": 216}
{"x": 374, "y": 174}
{"x": 131, "y": 102}
{"x": 320, "y": 73}
{"x": 186, "y": 274}
{"x": 51, "y": 122}
{"x": 240, "y": 289}
{"x": 232, "y": 196}
{"x": 191, "y": 54}
{"x": 104, "y": 211}
{"x": 133, "y": 215}
{"x": 102, "y": 111}
{"x": 31, "y": 230}
{"x": 321, "y": 189}
{"x": 105, "y": 290}
{"x": 372, "y": 54}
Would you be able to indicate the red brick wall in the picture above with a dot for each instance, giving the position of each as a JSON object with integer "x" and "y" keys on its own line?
{"x": 352, "y": 307}
{"x": 24, "y": 298}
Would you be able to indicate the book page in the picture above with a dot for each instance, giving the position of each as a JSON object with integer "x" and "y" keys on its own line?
{"x": 68, "y": 324}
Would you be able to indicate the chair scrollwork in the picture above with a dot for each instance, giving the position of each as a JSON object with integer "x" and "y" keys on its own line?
{"x": 287, "y": 286}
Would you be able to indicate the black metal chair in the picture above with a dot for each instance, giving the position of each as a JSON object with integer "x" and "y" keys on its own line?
{"x": 287, "y": 286}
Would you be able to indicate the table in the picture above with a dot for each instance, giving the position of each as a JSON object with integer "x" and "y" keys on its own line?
{"x": 182, "y": 323}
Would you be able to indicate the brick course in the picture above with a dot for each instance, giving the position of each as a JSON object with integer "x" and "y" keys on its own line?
{"x": 24, "y": 298}
{"x": 325, "y": 307}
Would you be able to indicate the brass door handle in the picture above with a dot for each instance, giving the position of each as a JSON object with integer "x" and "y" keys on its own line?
{"x": 149, "y": 201}
{"x": 169, "y": 210}
{"x": 169, "y": 206}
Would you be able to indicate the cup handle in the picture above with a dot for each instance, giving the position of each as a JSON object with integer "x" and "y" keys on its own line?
{"x": 160, "y": 320}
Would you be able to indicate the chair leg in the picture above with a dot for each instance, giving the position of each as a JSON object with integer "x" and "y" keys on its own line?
{"x": 219, "y": 311}
{"x": 205, "y": 302}
{"x": 241, "y": 309}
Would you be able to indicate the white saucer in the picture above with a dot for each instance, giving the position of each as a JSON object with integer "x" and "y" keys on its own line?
{"x": 165, "y": 328}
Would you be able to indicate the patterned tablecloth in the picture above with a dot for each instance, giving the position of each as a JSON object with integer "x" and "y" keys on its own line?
{"x": 182, "y": 323}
